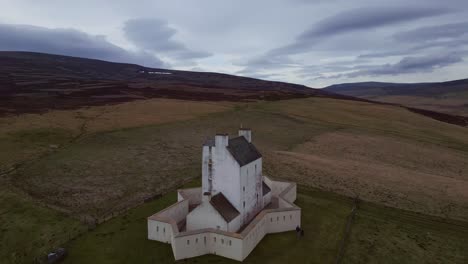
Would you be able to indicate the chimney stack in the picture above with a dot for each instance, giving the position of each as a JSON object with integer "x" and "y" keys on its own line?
{"x": 247, "y": 133}
{"x": 221, "y": 142}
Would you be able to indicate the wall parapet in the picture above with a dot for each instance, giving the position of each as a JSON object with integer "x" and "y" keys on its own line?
{"x": 234, "y": 245}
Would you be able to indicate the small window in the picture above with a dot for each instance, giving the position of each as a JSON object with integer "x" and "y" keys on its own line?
{"x": 222, "y": 241}
{"x": 164, "y": 230}
{"x": 277, "y": 218}
{"x": 230, "y": 243}
{"x": 244, "y": 204}
{"x": 157, "y": 228}
{"x": 196, "y": 240}
{"x": 290, "y": 216}
{"x": 214, "y": 239}
{"x": 243, "y": 188}
{"x": 284, "y": 218}
{"x": 271, "y": 219}
{"x": 204, "y": 240}
{"x": 188, "y": 242}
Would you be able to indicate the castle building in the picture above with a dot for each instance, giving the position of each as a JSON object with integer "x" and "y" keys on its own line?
{"x": 235, "y": 202}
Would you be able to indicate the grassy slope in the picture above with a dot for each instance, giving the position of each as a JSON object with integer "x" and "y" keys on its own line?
{"x": 109, "y": 170}
{"x": 29, "y": 229}
{"x": 375, "y": 237}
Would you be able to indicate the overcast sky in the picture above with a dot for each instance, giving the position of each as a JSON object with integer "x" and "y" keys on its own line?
{"x": 315, "y": 42}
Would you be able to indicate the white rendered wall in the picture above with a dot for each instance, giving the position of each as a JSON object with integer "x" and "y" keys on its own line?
{"x": 193, "y": 245}
{"x": 161, "y": 226}
{"x": 205, "y": 216}
{"x": 160, "y": 231}
{"x": 227, "y": 178}
{"x": 235, "y": 224}
{"x": 177, "y": 211}
{"x": 251, "y": 190}
{"x": 230, "y": 245}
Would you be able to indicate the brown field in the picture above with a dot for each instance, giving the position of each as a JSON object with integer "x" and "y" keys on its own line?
{"x": 382, "y": 153}
{"x": 395, "y": 172}
{"x": 455, "y": 105}
{"x": 28, "y": 135}
{"x": 109, "y": 158}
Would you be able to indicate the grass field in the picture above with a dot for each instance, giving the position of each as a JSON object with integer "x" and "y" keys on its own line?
{"x": 378, "y": 235}
{"x": 29, "y": 230}
{"x": 106, "y": 159}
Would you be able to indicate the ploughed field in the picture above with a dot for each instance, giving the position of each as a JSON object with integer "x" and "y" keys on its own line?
{"x": 66, "y": 170}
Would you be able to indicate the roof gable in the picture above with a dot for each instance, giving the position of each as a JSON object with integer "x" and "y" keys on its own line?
{"x": 243, "y": 151}
{"x": 265, "y": 188}
{"x": 224, "y": 207}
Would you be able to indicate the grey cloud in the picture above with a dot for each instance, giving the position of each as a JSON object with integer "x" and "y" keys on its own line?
{"x": 453, "y": 36}
{"x": 69, "y": 42}
{"x": 156, "y": 35}
{"x": 432, "y": 33}
{"x": 407, "y": 65}
{"x": 356, "y": 20}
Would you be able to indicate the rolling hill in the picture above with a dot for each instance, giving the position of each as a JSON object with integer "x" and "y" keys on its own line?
{"x": 448, "y": 97}
{"x": 91, "y": 148}
{"x": 34, "y": 82}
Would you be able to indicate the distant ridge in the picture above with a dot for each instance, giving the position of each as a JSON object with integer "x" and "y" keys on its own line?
{"x": 34, "y": 82}
{"x": 449, "y": 97}
{"x": 37, "y": 82}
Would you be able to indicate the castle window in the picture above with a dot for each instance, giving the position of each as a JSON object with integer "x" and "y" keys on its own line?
{"x": 222, "y": 241}
{"x": 244, "y": 204}
{"x": 230, "y": 243}
{"x": 277, "y": 218}
{"x": 157, "y": 228}
{"x": 188, "y": 242}
{"x": 214, "y": 239}
{"x": 204, "y": 240}
{"x": 196, "y": 240}
{"x": 243, "y": 188}
{"x": 284, "y": 218}
{"x": 271, "y": 219}
{"x": 290, "y": 216}
{"x": 164, "y": 230}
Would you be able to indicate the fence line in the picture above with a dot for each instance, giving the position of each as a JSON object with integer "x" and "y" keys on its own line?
{"x": 347, "y": 230}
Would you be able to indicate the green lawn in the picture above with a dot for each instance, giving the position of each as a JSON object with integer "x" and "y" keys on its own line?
{"x": 379, "y": 235}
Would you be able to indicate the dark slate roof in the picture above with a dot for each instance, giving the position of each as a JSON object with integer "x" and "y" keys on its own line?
{"x": 243, "y": 151}
{"x": 224, "y": 207}
{"x": 265, "y": 188}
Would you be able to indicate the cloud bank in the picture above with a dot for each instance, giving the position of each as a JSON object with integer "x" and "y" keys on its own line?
{"x": 69, "y": 42}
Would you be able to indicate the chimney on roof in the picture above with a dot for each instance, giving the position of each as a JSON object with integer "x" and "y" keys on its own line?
{"x": 246, "y": 132}
{"x": 221, "y": 142}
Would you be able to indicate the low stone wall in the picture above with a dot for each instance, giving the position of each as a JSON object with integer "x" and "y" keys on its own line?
{"x": 163, "y": 225}
{"x": 231, "y": 245}
{"x": 193, "y": 195}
